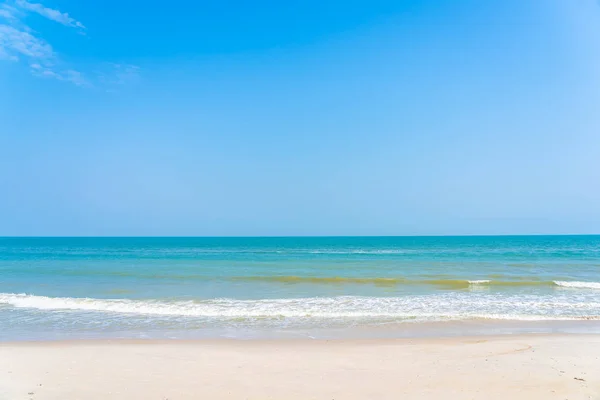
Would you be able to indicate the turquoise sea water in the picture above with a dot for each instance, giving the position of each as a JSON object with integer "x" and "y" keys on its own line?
{"x": 188, "y": 287}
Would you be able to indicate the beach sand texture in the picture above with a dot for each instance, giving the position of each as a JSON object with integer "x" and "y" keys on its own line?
{"x": 515, "y": 367}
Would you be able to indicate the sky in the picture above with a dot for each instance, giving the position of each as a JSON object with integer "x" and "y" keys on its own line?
{"x": 269, "y": 118}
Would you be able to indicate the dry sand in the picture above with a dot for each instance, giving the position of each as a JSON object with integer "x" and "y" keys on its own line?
{"x": 512, "y": 367}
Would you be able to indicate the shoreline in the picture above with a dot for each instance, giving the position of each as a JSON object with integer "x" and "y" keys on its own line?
{"x": 403, "y": 330}
{"x": 289, "y": 340}
{"x": 533, "y": 366}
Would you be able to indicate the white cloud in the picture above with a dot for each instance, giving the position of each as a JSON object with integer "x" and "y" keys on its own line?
{"x": 54, "y": 15}
{"x": 76, "y": 77}
{"x": 5, "y": 56}
{"x": 119, "y": 74}
{"x": 69, "y": 75}
{"x": 18, "y": 42}
{"x": 6, "y": 13}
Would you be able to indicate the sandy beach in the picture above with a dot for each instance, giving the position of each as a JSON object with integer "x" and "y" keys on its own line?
{"x": 516, "y": 367}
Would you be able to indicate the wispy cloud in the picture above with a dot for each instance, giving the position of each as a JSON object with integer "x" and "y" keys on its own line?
{"x": 20, "y": 43}
{"x": 112, "y": 76}
{"x": 68, "y": 75}
{"x": 7, "y": 12}
{"x": 54, "y": 15}
{"x": 119, "y": 74}
{"x": 5, "y": 56}
{"x": 17, "y": 42}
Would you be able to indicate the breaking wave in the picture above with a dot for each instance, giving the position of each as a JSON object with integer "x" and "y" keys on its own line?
{"x": 447, "y": 306}
{"x": 578, "y": 285}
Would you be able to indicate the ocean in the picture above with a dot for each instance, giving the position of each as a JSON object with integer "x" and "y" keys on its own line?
{"x": 151, "y": 287}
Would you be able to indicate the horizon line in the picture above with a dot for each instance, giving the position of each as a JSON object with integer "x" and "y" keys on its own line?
{"x": 295, "y": 236}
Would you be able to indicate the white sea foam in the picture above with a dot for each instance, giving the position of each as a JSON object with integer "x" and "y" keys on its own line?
{"x": 451, "y": 306}
{"x": 479, "y": 282}
{"x": 578, "y": 285}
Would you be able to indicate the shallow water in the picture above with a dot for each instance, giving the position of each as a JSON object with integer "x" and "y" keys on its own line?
{"x": 194, "y": 287}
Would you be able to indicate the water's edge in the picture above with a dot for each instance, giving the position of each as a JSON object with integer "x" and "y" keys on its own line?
{"x": 289, "y": 287}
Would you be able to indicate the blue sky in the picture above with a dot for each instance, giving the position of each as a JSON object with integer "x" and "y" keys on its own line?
{"x": 299, "y": 118}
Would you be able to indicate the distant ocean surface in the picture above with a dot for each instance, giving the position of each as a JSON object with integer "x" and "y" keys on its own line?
{"x": 68, "y": 288}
